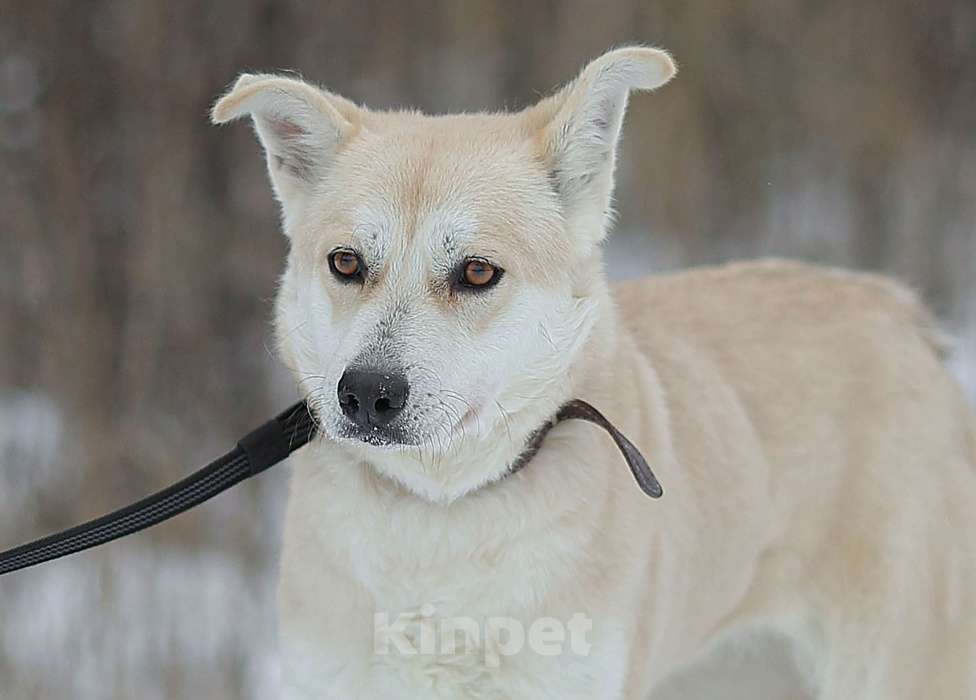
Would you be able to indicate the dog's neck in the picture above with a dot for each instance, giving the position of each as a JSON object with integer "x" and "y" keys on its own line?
{"x": 580, "y": 410}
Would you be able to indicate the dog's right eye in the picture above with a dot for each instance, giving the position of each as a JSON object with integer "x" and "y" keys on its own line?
{"x": 476, "y": 274}
{"x": 346, "y": 265}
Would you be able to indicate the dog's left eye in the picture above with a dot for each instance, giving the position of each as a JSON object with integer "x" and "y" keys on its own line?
{"x": 346, "y": 265}
{"x": 478, "y": 273}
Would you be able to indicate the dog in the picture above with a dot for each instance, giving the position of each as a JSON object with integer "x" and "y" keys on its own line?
{"x": 445, "y": 295}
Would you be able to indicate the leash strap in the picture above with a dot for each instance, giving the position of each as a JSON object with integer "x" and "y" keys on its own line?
{"x": 258, "y": 450}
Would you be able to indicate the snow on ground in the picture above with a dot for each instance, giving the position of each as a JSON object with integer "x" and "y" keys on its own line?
{"x": 152, "y": 606}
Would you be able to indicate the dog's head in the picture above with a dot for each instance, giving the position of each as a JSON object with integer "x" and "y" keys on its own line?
{"x": 443, "y": 270}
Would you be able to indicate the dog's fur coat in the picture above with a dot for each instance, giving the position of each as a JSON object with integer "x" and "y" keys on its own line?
{"x": 818, "y": 460}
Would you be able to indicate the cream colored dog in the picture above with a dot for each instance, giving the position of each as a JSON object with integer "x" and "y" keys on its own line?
{"x": 445, "y": 295}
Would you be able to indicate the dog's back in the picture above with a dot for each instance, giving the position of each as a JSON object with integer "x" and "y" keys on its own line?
{"x": 870, "y": 449}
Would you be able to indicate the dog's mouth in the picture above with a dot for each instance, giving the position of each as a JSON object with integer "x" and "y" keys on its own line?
{"x": 384, "y": 437}
{"x": 399, "y": 438}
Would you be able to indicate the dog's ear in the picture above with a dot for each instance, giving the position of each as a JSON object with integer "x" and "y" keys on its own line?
{"x": 300, "y": 126}
{"x": 580, "y": 126}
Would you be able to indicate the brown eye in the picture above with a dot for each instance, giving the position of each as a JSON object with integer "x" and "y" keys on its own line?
{"x": 346, "y": 265}
{"x": 477, "y": 273}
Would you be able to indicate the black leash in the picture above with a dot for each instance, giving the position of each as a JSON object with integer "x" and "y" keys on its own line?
{"x": 258, "y": 450}
{"x": 255, "y": 452}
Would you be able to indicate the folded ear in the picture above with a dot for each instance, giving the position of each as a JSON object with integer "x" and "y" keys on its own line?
{"x": 581, "y": 125}
{"x": 300, "y": 126}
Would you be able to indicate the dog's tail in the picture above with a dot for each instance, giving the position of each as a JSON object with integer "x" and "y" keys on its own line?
{"x": 937, "y": 339}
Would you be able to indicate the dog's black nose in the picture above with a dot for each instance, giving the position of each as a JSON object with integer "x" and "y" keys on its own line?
{"x": 372, "y": 398}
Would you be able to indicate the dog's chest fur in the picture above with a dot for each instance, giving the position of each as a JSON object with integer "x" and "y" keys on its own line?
{"x": 375, "y": 555}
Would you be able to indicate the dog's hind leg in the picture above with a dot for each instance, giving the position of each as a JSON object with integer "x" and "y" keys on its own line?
{"x": 911, "y": 638}
{"x": 906, "y": 671}
{"x": 893, "y": 638}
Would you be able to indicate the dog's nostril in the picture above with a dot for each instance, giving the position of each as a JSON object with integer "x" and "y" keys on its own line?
{"x": 349, "y": 403}
{"x": 382, "y": 405}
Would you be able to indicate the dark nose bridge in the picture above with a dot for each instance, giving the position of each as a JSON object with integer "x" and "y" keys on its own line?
{"x": 383, "y": 336}
{"x": 381, "y": 348}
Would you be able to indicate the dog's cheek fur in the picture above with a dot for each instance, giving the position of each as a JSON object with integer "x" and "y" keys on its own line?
{"x": 314, "y": 339}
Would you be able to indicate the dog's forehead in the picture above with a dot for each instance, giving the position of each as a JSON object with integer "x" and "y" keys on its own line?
{"x": 445, "y": 188}
{"x": 442, "y": 229}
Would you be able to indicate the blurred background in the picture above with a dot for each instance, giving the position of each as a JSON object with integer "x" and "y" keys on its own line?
{"x": 139, "y": 251}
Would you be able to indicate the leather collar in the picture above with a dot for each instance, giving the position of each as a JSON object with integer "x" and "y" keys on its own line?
{"x": 580, "y": 410}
